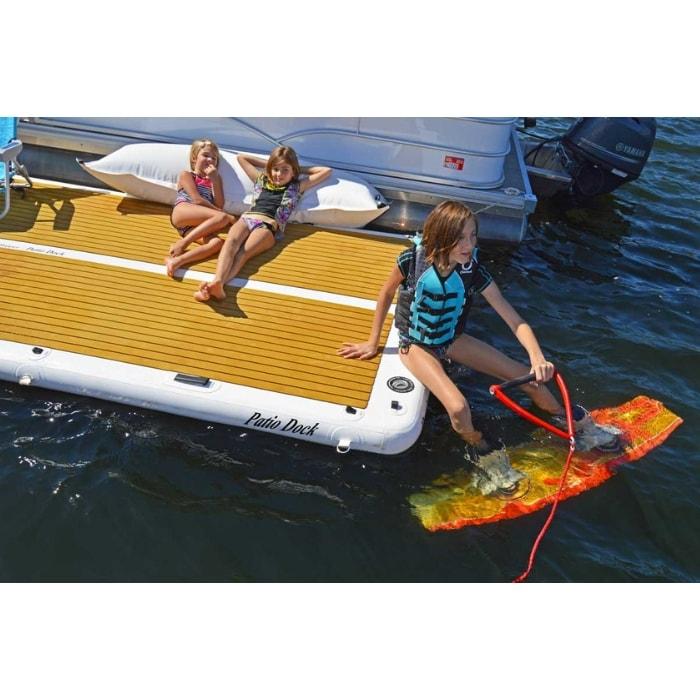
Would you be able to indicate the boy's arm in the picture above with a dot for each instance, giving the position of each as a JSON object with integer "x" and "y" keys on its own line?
{"x": 368, "y": 349}
{"x": 543, "y": 369}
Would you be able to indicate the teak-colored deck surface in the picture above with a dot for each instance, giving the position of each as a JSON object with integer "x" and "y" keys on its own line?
{"x": 266, "y": 340}
{"x": 343, "y": 263}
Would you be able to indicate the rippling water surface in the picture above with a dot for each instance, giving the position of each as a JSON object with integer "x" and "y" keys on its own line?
{"x": 95, "y": 491}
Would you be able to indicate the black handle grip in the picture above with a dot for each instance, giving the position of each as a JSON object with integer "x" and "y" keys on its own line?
{"x": 518, "y": 381}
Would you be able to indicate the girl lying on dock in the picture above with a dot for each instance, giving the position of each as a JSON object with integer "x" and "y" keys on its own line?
{"x": 277, "y": 191}
{"x": 198, "y": 213}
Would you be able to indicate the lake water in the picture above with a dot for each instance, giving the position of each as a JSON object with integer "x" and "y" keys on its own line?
{"x": 95, "y": 491}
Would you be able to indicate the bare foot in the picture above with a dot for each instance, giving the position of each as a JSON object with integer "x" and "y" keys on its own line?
{"x": 207, "y": 291}
{"x": 216, "y": 290}
{"x": 171, "y": 266}
{"x": 202, "y": 294}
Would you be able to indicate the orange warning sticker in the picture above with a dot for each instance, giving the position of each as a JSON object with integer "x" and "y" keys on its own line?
{"x": 454, "y": 163}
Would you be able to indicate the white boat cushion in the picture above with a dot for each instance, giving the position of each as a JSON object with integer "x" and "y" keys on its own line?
{"x": 150, "y": 171}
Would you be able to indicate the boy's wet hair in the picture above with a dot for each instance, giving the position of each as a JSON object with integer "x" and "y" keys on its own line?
{"x": 283, "y": 154}
{"x": 198, "y": 145}
{"x": 443, "y": 227}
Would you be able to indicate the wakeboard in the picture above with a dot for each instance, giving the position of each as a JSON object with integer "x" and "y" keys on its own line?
{"x": 452, "y": 501}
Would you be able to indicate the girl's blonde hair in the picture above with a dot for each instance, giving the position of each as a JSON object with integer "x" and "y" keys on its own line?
{"x": 198, "y": 145}
{"x": 283, "y": 154}
{"x": 443, "y": 227}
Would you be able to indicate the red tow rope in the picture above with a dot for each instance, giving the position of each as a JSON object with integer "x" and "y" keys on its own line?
{"x": 497, "y": 391}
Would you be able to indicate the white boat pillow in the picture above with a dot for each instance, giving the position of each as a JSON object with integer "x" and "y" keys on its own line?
{"x": 150, "y": 171}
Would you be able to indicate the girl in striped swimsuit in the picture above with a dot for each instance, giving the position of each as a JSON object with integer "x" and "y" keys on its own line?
{"x": 197, "y": 213}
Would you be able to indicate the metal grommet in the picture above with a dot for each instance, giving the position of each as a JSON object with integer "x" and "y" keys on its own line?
{"x": 401, "y": 385}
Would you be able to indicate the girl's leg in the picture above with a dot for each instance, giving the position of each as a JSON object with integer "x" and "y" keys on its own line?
{"x": 483, "y": 358}
{"x": 237, "y": 236}
{"x": 260, "y": 240}
{"x": 203, "y": 220}
{"x": 209, "y": 247}
{"x": 430, "y": 372}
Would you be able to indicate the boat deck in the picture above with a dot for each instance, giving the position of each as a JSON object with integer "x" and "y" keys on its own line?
{"x": 82, "y": 271}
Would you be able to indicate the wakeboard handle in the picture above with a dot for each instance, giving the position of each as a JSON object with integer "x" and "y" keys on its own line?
{"x": 498, "y": 389}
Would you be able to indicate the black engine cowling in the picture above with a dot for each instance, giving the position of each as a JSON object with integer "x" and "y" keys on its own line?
{"x": 604, "y": 153}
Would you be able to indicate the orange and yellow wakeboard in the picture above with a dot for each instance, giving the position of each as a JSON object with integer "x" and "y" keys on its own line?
{"x": 451, "y": 502}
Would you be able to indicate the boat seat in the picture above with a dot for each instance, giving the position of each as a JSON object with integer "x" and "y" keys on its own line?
{"x": 10, "y": 148}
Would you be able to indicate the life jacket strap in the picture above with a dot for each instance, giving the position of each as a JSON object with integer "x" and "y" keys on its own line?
{"x": 439, "y": 322}
{"x": 424, "y": 334}
{"x": 439, "y": 297}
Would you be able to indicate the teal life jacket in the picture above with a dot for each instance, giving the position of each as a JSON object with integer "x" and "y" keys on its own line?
{"x": 432, "y": 310}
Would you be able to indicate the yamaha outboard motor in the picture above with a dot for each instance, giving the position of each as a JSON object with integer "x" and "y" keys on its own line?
{"x": 601, "y": 154}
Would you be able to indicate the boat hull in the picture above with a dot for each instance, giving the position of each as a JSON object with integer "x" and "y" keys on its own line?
{"x": 414, "y": 162}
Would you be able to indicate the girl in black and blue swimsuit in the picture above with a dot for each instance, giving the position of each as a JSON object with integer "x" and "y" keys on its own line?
{"x": 436, "y": 280}
{"x": 276, "y": 193}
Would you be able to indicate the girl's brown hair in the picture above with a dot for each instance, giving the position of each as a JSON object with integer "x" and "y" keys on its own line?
{"x": 443, "y": 227}
{"x": 283, "y": 154}
{"x": 198, "y": 145}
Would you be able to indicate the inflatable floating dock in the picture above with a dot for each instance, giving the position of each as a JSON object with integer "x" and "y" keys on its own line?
{"x": 86, "y": 308}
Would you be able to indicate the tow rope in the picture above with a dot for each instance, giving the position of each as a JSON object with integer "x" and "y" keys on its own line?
{"x": 497, "y": 391}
